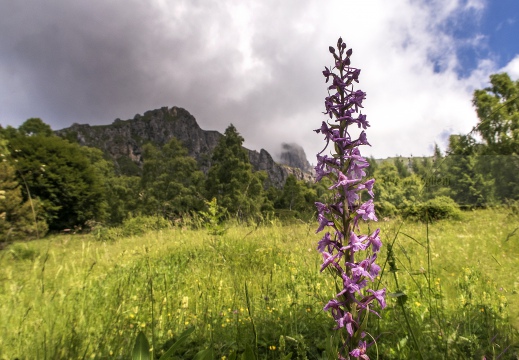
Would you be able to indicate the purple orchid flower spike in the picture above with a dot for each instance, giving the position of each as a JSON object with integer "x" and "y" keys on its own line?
{"x": 347, "y": 255}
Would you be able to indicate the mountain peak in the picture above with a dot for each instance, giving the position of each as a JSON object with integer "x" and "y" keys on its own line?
{"x": 123, "y": 140}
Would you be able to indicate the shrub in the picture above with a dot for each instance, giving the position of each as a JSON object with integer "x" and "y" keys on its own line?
{"x": 20, "y": 251}
{"x": 288, "y": 216}
{"x": 513, "y": 206}
{"x": 141, "y": 224}
{"x": 385, "y": 208}
{"x": 133, "y": 226}
{"x": 441, "y": 207}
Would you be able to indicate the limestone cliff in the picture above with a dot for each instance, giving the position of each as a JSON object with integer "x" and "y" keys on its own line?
{"x": 123, "y": 141}
{"x": 294, "y": 156}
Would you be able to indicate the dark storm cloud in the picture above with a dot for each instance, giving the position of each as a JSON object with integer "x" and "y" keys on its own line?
{"x": 75, "y": 62}
{"x": 93, "y": 62}
{"x": 256, "y": 64}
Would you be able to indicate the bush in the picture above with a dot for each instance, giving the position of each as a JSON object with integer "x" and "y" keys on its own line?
{"x": 513, "y": 206}
{"x": 385, "y": 208}
{"x": 441, "y": 207}
{"x": 108, "y": 233}
{"x": 142, "y": 224}
{"x": 133, "y": 226}
{"x": 21, "y": 251}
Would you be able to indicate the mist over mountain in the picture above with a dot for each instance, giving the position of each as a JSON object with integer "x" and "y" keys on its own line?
{"x": 294, "y": 155}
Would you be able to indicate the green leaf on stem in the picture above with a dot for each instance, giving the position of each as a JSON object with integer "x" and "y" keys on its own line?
{"x": 141, "y": 349}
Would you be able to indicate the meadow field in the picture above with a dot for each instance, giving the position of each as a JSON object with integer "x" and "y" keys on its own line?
{"x": 453, "y": 292}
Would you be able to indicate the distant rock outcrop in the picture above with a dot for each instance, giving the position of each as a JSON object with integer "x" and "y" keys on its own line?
{"x": 123, "y": 141}
{"x": 294, "y": 156}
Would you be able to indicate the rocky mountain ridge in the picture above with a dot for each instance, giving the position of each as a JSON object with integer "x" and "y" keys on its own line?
{"x": 123, "y": 140}
{"x": 294, "y": 155}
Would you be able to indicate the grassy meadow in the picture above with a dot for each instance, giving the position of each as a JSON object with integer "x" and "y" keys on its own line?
{"x": 453, "y": 289}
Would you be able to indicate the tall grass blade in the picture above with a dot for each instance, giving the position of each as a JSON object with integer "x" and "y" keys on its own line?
{"x": 249, "y": 309}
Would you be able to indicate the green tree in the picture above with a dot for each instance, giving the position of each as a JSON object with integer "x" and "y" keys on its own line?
{"x": 469, "y": 185}
{"x": 423, "y": 167}
{"x": 231, "y": 180}
{"x": 373, "y": 165}
{"x": 35, "y": 126}
{"x": 121, "y": 192}
{"x": 439, "y": 181}
{"x": 19, "y": 219}
{"x": 171, "y": 181}
{"x": 505, "y": 174}
{"x": 297, "y": 195}
{"x": 394, "y": 194}
{"x": 497, "y": 107}
{"x": 387, "y": 189}
{"x": 402, "y": 168}
{"x": 61, "y": 175}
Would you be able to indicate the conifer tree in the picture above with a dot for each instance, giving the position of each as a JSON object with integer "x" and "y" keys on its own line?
{"x": 297, "y": 195}
{"x": 401, "y": 167}
{"x": 231, "y": 180}
{"x": 469, "y": 186}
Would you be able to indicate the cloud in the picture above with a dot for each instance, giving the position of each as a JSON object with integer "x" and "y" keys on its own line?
{"x": 512, "y": 68}
{"x": 254, "y": 64}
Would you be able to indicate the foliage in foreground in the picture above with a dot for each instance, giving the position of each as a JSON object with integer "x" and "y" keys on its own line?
{"x": 258, "y": 288}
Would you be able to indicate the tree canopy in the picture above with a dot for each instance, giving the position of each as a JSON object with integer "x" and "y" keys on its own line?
{"x": 59, "y": 173}
{"x": 171, "y": 183}
{"x": 230, "y": 179}
{"x": 18, "y": 218}
{"x": 47, "y": 180}
{"x": 497, "y": 107}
